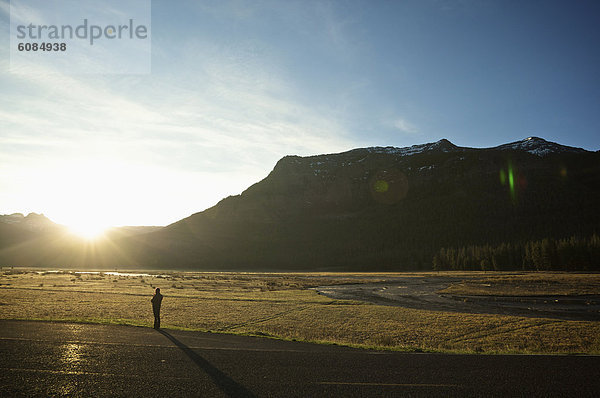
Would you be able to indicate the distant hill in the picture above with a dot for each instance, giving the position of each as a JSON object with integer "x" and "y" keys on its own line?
{"x": 120, "y": 232}
{"x": 380, "y": 208}
{"x": 31, "y": 222}
{"x": 35, "y": 240}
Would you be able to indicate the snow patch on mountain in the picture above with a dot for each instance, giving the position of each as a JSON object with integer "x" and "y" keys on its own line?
{"x": 441, "y": 145}
{"x": 321, "y": 165}
{"x": 539, "y": 147}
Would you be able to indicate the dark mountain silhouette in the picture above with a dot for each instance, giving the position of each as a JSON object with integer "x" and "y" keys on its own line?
{"x": 378, "y": 209}
{"x": 35, "y": 240}
{"x": 120, "y": 232}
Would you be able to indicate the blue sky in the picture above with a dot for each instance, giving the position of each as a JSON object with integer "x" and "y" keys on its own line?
{"x": 236, "y": 85}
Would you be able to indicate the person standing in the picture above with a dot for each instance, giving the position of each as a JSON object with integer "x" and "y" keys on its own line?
{"x": 156, "y": 301}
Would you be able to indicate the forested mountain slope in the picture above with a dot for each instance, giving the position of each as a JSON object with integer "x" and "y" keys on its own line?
{"x": 391, "y": 208}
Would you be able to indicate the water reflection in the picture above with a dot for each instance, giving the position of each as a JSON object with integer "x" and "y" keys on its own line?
{"x": 112, "y": 273}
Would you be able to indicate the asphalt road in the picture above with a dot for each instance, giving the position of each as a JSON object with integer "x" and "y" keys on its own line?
{"x": 65, "y": 359}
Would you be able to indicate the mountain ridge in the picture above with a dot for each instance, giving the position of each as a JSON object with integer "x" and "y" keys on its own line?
{"x": 333, "y": 187}
{"x": 377, "y": 208}
{"x": 536, "y": 145}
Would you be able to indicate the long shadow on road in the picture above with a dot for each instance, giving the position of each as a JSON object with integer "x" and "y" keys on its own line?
{"x": 229, "y": 386}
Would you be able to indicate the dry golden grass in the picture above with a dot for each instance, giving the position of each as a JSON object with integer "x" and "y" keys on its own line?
{"x": 280, "y": 305}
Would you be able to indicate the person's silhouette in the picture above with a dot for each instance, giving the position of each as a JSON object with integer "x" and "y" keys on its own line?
{"x": 156, "y": 301}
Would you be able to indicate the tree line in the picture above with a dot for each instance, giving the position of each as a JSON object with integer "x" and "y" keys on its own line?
{"x": 569, "y": 254}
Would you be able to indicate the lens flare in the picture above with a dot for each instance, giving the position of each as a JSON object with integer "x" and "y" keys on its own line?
{"x": 389, "y": 186}
{"x": 517, "y": 182}
{"x": 563, "y": 172}
{"x": 511, "y": 181}
{"x": 381, "y": 186}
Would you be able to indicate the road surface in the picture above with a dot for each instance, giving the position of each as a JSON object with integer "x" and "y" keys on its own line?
{"x": 67, "y": 359}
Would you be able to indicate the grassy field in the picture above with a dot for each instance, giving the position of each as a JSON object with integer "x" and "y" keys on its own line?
{"x": 283, "y": 306}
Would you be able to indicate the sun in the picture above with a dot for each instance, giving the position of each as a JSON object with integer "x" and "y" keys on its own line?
{"x": 87, "y": 195}
{"x": 90, "y": 195}
{"x": 88, "y": 230}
